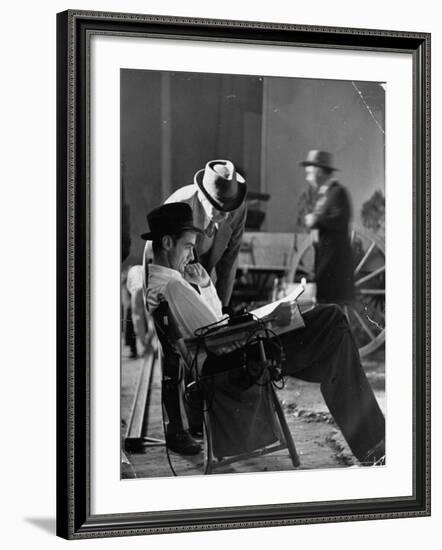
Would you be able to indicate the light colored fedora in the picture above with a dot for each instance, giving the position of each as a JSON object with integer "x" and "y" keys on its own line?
{"x": 323, "y": 159}
{"x": 221, "y": 184}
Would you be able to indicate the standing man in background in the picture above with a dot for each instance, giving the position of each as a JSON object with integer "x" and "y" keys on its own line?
{"x": 217, "y": 199}
{"x": 331, "y": 217}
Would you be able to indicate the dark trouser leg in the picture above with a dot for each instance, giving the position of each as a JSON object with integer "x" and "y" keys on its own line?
{"x": 176, "y": 409}
{"x": 171, "y": 392}
{"x": 325, "y": 352}
{"x": 178, "y": 438}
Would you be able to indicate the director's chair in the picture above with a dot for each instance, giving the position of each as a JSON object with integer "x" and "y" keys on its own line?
{"x": 243, "y": 417}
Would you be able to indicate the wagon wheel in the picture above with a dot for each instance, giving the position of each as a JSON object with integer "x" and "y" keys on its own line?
{"x": 366, "y": 313}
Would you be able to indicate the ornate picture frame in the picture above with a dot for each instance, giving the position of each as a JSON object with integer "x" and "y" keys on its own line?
{"x": 76, "y": 518}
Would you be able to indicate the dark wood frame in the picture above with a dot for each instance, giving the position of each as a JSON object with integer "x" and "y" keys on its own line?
{"x": 74, "y": 519}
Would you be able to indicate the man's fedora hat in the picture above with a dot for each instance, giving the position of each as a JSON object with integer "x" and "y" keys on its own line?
{"x": 170, "y": 219}
{"x": 322, "y": 159}
{"x": 221, "y": 184}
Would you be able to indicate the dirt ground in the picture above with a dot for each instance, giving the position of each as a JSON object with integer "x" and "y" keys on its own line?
{"x": 318, "y": 441}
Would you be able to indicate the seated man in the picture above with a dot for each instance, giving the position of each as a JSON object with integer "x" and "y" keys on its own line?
{"x": 323, "y": 351}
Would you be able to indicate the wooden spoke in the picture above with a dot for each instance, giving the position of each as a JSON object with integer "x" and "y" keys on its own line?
{"x": 363, "y": 325}
{"x": 370, "y": 276}
{"x": 372, "y": 291}
{"x": 364, "y": 259}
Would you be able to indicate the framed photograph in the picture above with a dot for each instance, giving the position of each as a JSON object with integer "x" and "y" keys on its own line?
{"x": 243, "y": 274}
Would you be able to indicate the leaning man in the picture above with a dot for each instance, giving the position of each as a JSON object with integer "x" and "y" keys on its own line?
{"x": 217, "y": 199}
{"x": 323, "y": 351}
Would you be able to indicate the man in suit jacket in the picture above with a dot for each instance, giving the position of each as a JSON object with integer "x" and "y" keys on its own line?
{"x": 216, "y": 198}
{"x": 331, "y": 217}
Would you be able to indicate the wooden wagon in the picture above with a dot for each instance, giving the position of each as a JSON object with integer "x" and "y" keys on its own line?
{"x": 269, "y": 261}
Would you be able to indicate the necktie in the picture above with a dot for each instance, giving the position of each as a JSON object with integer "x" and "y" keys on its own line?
{"x": 210, "y": 229}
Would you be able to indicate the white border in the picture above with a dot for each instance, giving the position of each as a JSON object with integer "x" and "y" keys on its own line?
{"x": 109, "y": 494}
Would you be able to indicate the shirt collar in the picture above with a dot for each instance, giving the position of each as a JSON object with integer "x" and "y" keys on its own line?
{"x": 202, "y": 218}
{"x": 163, "y": 272}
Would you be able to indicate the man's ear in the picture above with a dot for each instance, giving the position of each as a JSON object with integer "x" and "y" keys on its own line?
{"x": 167, "y": 242}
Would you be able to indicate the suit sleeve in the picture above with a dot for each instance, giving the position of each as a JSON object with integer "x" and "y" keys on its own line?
{"x": 335, "y": 214}
{"x": 226, "y": 267}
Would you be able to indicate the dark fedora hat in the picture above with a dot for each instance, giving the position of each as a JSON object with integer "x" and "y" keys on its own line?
{"x": 322, "y": 159}
{"x": 170, "y": 219}
{"x": 221, "y": 184}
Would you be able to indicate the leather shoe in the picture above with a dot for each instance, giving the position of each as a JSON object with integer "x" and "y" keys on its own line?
{"x": 182, "y": 442}
{"x": 196, "y": 430}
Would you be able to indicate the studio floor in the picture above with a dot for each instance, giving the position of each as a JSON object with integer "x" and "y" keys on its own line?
{"x": 318, "y": 441}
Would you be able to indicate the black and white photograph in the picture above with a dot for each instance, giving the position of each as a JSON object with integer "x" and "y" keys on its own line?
{"x": 222, "y": 257}
{"x": 243, "y": 303}
{"x": 253, "y": 274}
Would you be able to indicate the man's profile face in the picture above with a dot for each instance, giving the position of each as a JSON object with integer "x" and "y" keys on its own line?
{"x": 214, "y": 215}
{"x": 181, "y": 252}
{"x": 314, "y": 175}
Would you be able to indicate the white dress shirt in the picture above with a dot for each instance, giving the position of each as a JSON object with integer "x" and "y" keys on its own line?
{"x": 190, "y": 309}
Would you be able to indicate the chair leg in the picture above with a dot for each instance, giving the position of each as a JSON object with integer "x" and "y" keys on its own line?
{"x": 182, "y": 390}
{"x": 207, "y": 434}
{"x": 285, "y": 429}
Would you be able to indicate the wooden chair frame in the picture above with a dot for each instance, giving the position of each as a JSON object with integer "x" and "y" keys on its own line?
{"x": 210, "y": 461}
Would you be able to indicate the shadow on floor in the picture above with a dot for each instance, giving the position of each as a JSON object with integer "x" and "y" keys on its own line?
{"x": 46, "y": 524}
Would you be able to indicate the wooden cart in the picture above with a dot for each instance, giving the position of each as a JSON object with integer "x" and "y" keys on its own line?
{"x": 266, "y": 257}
